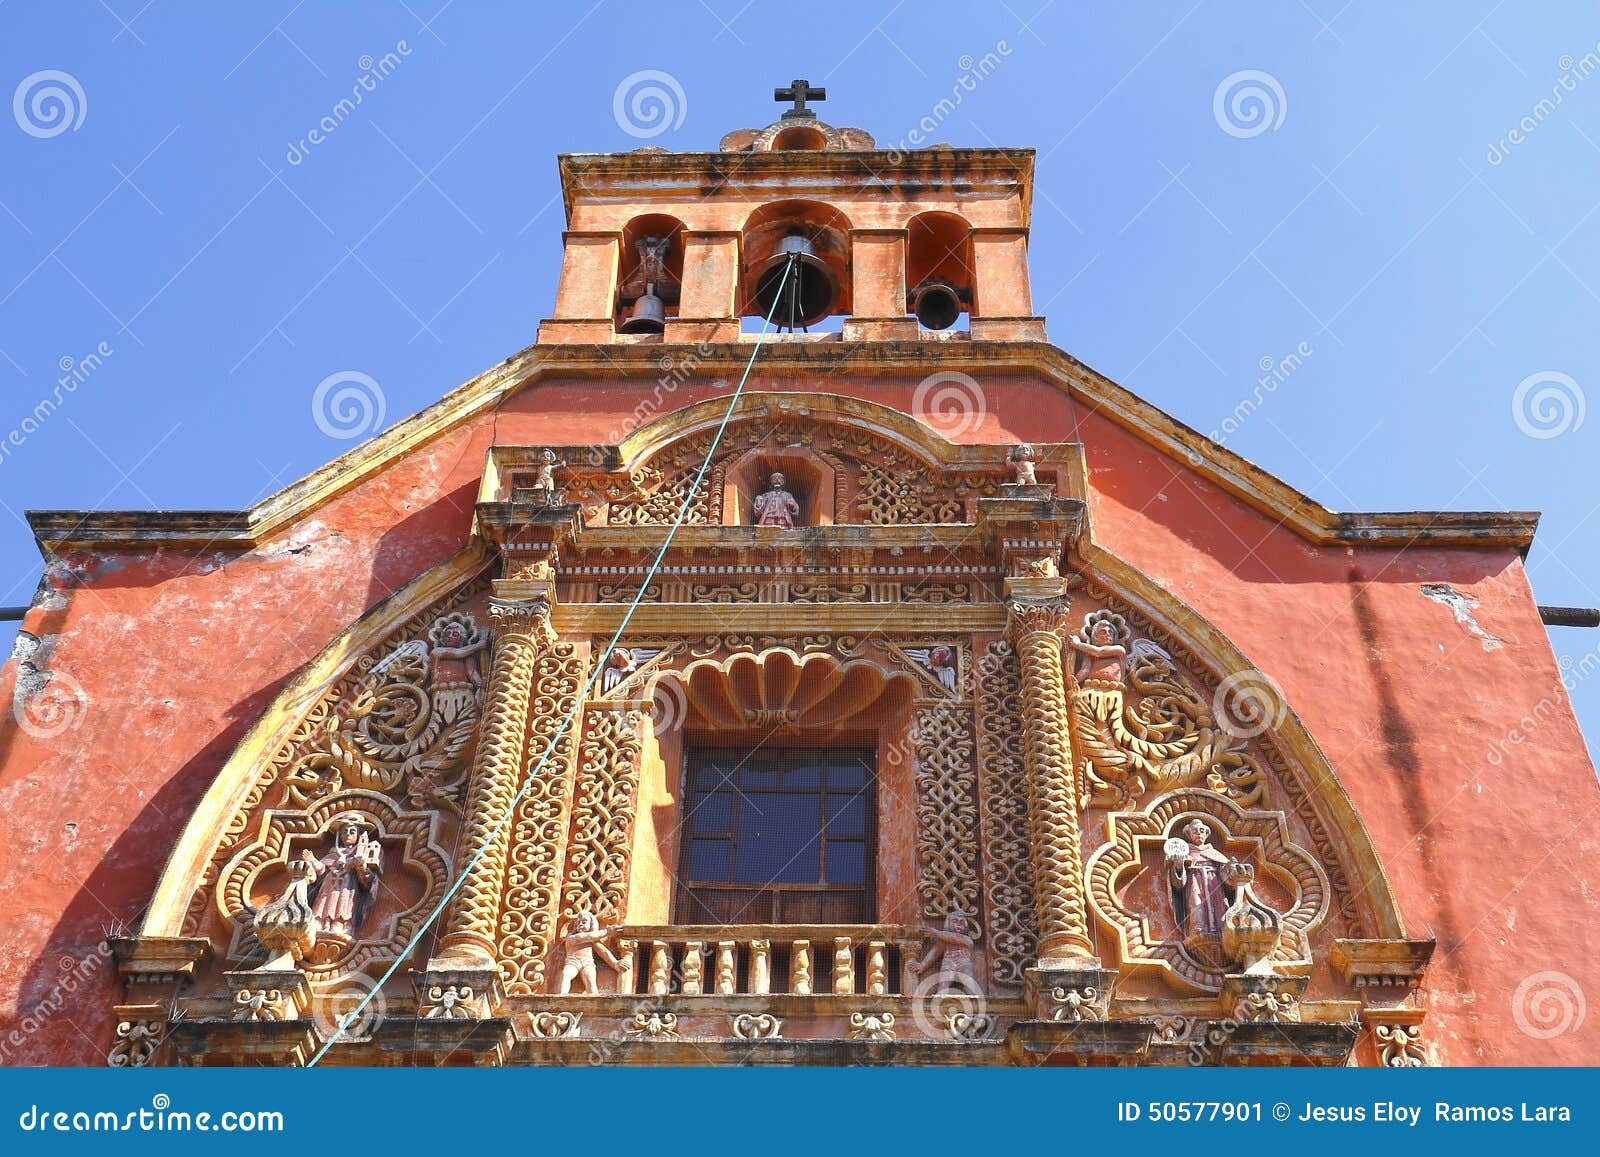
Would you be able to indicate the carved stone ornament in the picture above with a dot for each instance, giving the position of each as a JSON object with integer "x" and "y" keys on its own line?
{"x": 654, "y": 1025}
{"x": 962, "y": 1025}
{"x": 453, "y": 1002}
{"x": 1400, "y": 1046}
{"x": 756, "y": 1026}
{"x": 871, "y": 1026}
{"x": 137, "y": 1037}
{"x": 1078, "y": 1004}
{"x": 1133, "y": 893}
{"x": 555, "y": 1025}
{"x": 281, "y": 850}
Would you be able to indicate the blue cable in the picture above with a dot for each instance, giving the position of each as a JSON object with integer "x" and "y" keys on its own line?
{"x": 599, "y": 667}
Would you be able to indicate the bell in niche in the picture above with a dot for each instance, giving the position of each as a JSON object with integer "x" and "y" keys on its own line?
{"x": 809, "y": 292}
{"x": 649, "y": 314}
{"x": 650, "y": 287}
{"x": 937, "y": 303}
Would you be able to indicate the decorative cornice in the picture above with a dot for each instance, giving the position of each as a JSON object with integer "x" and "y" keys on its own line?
{"x": 806, "y": 361}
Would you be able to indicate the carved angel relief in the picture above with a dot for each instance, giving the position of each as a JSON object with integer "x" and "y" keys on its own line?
{"x": 1139, "y": 726}
{"x": 408, "y": 727}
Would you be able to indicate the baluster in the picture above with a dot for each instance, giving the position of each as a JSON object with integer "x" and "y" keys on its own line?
{"x": 660, "y": 968}
{"x": 628, "y": 955}
{"x": 844, "y": 967}
{"x": 694, "y": 967}
{"x": 727, "y": 969}
{"x": 800, "y": 968}
{"x": 877, "y": 968}
{"x": 761, "y": 967}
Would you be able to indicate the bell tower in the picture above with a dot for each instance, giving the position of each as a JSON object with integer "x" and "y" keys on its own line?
{"x": 672, "y": 248}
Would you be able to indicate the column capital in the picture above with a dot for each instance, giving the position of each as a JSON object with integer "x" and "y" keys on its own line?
{"x": 1027, "y": 615}
{"x": 525, "y": 618}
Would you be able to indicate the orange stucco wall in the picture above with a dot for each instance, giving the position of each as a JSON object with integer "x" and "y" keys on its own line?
{"x": 1488, "y": 844}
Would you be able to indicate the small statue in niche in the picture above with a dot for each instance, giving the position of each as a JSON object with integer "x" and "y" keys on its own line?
{"x": 585, "y": 938}
{"x": 1197, "y": 880}
{"x": 544, "y": 479}
{"x": 1021, "y": 459}
{"x": 776, "y": 506}
{"x": 346, "y": 881}
{"x": 951, "y": 948}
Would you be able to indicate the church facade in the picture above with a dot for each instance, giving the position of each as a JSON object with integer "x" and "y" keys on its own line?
{"x": 674, "y": 693}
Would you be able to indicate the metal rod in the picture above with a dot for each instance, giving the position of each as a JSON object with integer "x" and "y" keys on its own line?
{"x": 12, "y": 614}
{"x": 1570, "y": 616}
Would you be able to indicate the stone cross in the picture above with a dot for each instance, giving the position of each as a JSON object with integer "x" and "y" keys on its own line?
{"x": 799, "y": 91}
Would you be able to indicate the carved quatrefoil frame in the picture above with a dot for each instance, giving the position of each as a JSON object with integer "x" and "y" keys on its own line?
{"x": 284, "y": 833}
{"x": 1274, "y": 855}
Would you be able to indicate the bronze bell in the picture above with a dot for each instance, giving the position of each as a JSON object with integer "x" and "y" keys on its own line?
{"x": 937, "y": 304}
{"x": 649, "y": 314}
{"x": 809, "y": 293}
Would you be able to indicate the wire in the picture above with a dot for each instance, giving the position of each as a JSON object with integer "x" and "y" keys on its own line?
{"x": 598, "y": 668}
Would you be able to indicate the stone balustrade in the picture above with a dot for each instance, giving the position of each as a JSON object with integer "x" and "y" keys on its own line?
{"x": 760, "y": 959}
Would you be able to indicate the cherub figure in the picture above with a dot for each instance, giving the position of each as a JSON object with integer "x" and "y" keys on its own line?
{"x": 544, "y": 480}
{"x": 951, "y": 948}
{"x": 938, "y": 661}
{"x": 1104, "y": 657}
{"x": 585, "y": 938}
{"x": 1021, "y": 459}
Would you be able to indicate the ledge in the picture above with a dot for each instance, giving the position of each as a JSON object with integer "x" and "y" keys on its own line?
{"x": 239, "y": 530}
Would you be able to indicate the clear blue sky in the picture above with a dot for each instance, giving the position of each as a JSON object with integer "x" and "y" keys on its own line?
{"x": 1382, "y": 217}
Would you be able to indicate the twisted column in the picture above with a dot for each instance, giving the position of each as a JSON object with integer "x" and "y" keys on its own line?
{"x": 523, "y": 631}
{"x": 1036, "y": 627}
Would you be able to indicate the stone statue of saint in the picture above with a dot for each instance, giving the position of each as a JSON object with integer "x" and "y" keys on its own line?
{"x": 776, "y": 506}
{"x": 1022, "y": 463}
{"x": 951, "y": 949}
{"x": 346, "y": 882}
{"x": 584, "y": 939}
{"x": 1200, "y": 895}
